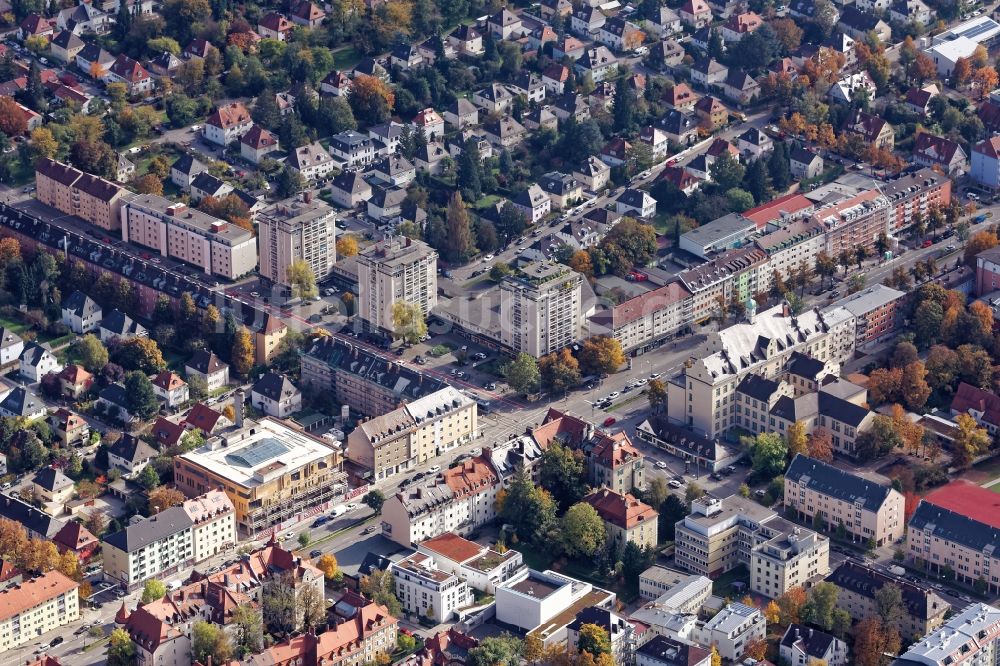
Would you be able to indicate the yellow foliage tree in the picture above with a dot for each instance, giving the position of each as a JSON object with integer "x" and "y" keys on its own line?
{"x": 242, "y": 356}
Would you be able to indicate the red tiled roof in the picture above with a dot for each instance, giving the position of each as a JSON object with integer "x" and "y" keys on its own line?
{"x": 970, "y": 500}
{"x": 276, "y": 22}
{"x": 167, "y": 433}
{"x": 644, "y": 304}
{"x": 623, "y": 511}
{"x": 569, "y": 429}
{"x": 168, "y": 381}
{"x": 454, "y": 547}
{"x": 308, "y": 11}
{"x": 229, "y": 115}
{"x": 969, "y": 397}
{"x": 790, "y": 203}
{"x": 203, "y": 417}
{"x": 989, "y": 147}
{"x": 470, "y": 477}
{"x": 258, "y": 138}
{"x": 612, "y": 451}
{"x": 128, "y": 69}
{"x": 74, "y": 536}
{"x": 31, "y": 593}
{"x": 935, "y": 148}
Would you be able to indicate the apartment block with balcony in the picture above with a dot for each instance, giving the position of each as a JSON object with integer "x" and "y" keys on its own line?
{"x": 858, "y": 221}
{"x": 795, "y": 557}
{"x": 426, "y": 591}
{"x": 865, "y": 510}
{"x": 736, "y": 274}
{"x": 643, "y": 323}
{"x": 35, "y": 607}
{"x": 297, "y": 230}
{"x": 485, "y": 569}
{"x": 271, "y": 472}
{"x": 540, "y": 308}
{"x": 969, "y": 638}
{"x": 74, "y": 192}
{"x": 395, "y": 270}
{"x": 878, "y": 313}
{"x": 913, "y": 193}
{"x": 215, "y": 246}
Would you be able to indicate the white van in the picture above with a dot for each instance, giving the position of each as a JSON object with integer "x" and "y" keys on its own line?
{"x": 338, "y": 511}
{"x": 173, "y": 585}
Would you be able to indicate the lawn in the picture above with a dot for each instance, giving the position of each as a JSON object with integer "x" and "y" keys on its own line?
{"x": 722, "y": 586}
{"x": 346, "y": 58}
{"x": 20, "y": 328}
{"x": 995, "y": 487}
{"x": 13, "y": 325}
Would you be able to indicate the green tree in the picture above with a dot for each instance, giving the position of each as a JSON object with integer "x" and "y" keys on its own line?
{"x": 302, "y": 279}
{"x": 148, "y": 478}
{"x": 726, "y": 172}
{"x": 142, "y": 354}
{"x": 210, "y": 641}
{"x": 374, "y": 499}
{"x": 582, "y": 530}
{"x": 458, "y": 243}
{"x": 153, "y": 590}
{"x": 290, "y": 182}
{"x": 562, "y": 474}
{"x": 503, "y": 650}
{"x": 530, "y": 510}
{"x": 522, "y": 374}
{"x": 250, "y": 629}
{"x": 121, "y": 649}
{"x": 593, "y": 639}
{"x": 820, "y": 605}
{"x": 408, "y": 322}
{"x": 889, "y": 604}
{"x": 768, "y": 453}
{"x": 624, "y": 106}
{"x": 91, "y": 351}
{"x": 139, "y": 395}
{"x": 380, "y": 587}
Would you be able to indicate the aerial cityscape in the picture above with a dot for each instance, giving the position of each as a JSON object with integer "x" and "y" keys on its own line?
{"x": 466, "y": 333}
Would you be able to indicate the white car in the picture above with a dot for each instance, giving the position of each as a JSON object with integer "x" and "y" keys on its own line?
{"x": 654, "y": 375}
{"x": 435, "y": 469}
{"x": 660, "y": 464}
{"x": 351, "y": 506}
{"x": 642, "y": 382}
{"x": 288, "y": 535}
{"x": 674, "y": 483}
{"x": 613, "y": 395}
{"x": 488, "y": 257}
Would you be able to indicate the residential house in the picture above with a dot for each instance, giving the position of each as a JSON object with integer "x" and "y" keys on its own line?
{"x": 34, "y": 25}
{"x": 803, "y": 163}
{"x": 227, "y": 123}
{"x": 36, "y": 362}
{"x": 712, "y": 113}
{"x": 386, "y": 203}
{"x": 911, "y": 12}
{"x": 568, "y": 47}
{"x": 11, "y": 347}
{"x": 130, "y": 455}
{"x": 625, "y": 518}
{"x": 494, "y": 98}
{"x": 207, "y": 185}
{"x": 51, "y": 486}
{"x": 75, "y": 381}
{"x": 467, "y": 40}
{"x": 571, "y": 105}
{"x": 754, "y": 144}
{"x": 113, "y": 401}
{"x": 620, "y": 35}
{"x": 738, "y": 25}
{"x": 708, "y": 72}
{"x": 597, "y": 61}
{"x": 307, "y": 14}
{"x": 135, "y": 77}
{"x": 165, "y": 65}
{"x": 461, "y": 114}
{"x": 81, "y": 313}
{"x": 335, "y": 83}
{"x": 695, "y": 14}
{"x": 312, "y": 160}
{"x": 426, "y": 591}
{"x": 740, "y": 86}
{"x": 349, "y": 189}
{"x": 593, "y": 174}
{"x": 405, "y": 56}
{"x": 69, "y": 428}
{"x": 504, "y": 133}
{"x": 802, "y": 645}
{"x": 206, "y": 366}
{"x": 930, "y": 150}
{"x": 171, "y": 389}
{"x": 550, "y": 8}
{"x": 665, "y": 23}
{"x": 257, "y": 144}
{"x": 540, "y": 117}
{"x": 276, "y": 396}
{"x": 533, "y": 202}
{"x": 858, "y": 24}
{"x": 873, "y": 129}
{"x": 94, "y": 61}
{"x": 680, "y": 97}
{"x": 637, "y": 203}
{"x": 615, "y": 152}
{"x": 65, "y": 45}
{"x": 505, "y": 24}
{"x": 275, "y": 26}
{"x": 184, "y": 170}
{"x": 918, "y": 99}
{"x": 844, "y": 90}
{"x": 562, "y": 190}
{"x": 118, "y": 325}
{"x": 668, "y": 52}
{"x": 985, "y": 168}
{"x": 393, "y": 171}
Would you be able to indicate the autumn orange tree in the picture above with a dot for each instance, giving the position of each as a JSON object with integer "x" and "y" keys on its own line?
{"x": 371, "y": 99}
{"x": 230, "y": 208}
{"x": 790, "y": 604}
{"x": 873, "y": 640}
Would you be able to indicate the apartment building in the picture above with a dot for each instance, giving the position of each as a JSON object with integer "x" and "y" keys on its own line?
{"x": 792, "y": 245}
{"x": 189, "y": 235}
{"x": 968, "y": 638}
{"x": 625, "y": 518}
{"x": 426, "y": 591}
{"x": 855, "y": 222}
{"x": 662, "y": 651}
{"x": 297, "y": 230}
{"x": 703, "y": 396}
{"x": 737, "y": 274}
{"x": 485, "y": 569}
{"x": 956, "y": 529}
{"x": 228, "y": 123}
{"x": 461, "y": 500}
{"x": 540, "y": 308}
{"x": 795, "y": 557}
{"x": 365, "y": 382}
{"x": 732, "y": 630}
{"x": 414, "y": 433}
{"x": 395, "y": 270}
{"x": 923, "y": 610}
{"x": 615, "y": 463}
{"x": 620, "y": 632}
{"x": 878, "y": 312}
{"x": 170, "y": 540}
{"x": 35, "y": 607}
{"x": 74, "y": 192}
{"x": 643, "y": 323}
{"x": 273, "y": 475}
{"x": 915, "y": 192}
{"x": 673, "y": 590}
{"x": 543, "y": 603}
{"x": 805, "y": 645}
{"x": 866, "y": 510}
{"x": 719, "y": 534}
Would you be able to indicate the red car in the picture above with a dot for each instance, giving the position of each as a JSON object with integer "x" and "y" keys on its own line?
{"x": 610, "y": 421}
{"x": 927, "y": 243}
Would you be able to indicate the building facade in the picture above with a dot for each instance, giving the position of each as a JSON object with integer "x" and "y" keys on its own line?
{"x": 36, "y": 607}
{"x": 540, "y": 309}
{"x": 392, "y": 271}
{"x": 297, "y": 230}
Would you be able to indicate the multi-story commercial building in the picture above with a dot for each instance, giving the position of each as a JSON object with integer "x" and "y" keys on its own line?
{"x": 483, "y": 568}
{"x": 867, "y": 511}
{"x": 703, "y": 396}
{"x": 297, "y": 230}
{"x": 187, "y": 234}
{"x": 642, "y": 323}
{"x": 414, "y": 433}
{"x": 540, "y": 310}
{"x": 719, "y": 534}
{"x": 36, "y": 607}
{"x": 878, "y": 313}
{"x": 956, "y": 529}
{"x": 795, "y": 557}
{"x": 367, "y": 383}
{"x": 855, "y": 222}
{"x": 425, "y": 590}
{"x": 272, "y": 474}
{"x": 674, "y": 591}
{"x": 170, "y": 540}
{"x": 625, "y": 518}
{"x": 395, "y": 270}
{"x": 968, "y": 638}
{"x": 74, "y": 192}
{"x": 923, "y": 610}
{"x": 461, "y": 501}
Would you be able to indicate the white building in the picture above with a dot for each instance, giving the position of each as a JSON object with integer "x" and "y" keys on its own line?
{"x": 425, "y": 590}
{"x": 805, "y": 645}
{"x": 312, "y": 161}
{"x": 732, "y": 629}
{"x": 35, "y": 607}
{"x": 961, "y": 42}
{"x": 969, "y": 638}
{"x": 36, "y": 362}
{"x": 540, "y": 308}
{"x": 11, "y": 347}
{"x": 484, "y": 569}
{"x": 532, "y": 603}
{"x": 170, "y": 541}
{"x": 796, "y": 557}
{"x": 80, "y": 313}
{"x": 673, "y": 590}
{"x": 394, "y": 270}
{"x": 300, "y": 229}
{"x": 228, "y": 123}
{"x": 276, "y": 396}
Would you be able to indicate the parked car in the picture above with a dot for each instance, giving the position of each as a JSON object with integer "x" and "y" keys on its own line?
{"x": 610, "y": 421}
{"x": 660, "y": 464}
{"x": 434, "y": 469}
{"x": 315, "y": 553}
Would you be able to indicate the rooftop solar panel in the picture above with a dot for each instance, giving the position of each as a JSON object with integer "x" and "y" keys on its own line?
{"x": 258, "y": 453}
{"x": 979, "y": 28}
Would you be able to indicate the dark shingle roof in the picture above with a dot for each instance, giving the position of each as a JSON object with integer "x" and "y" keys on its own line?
{"x": 133, "y": 449}
{"x": 205, "y": 362}
{"x": 866, "y": 581}
{"x": 33, "y": 519}
{"x": 841, "y": 410}
{"x": 80, "y": 304}
{"x": 141, "y": 534}
{"x": 757, "y": 387}
{"x": 21, "y": 402}
{"x": 813, "y": 642}
{"x": 273, "y": 386}
{"x": 51, "y": 479}
{"x": 829, "y": 480}
{"x": 801, "y": 365}
{"x": 951, "y": 526}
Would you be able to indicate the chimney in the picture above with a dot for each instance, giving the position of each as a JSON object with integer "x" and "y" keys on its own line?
{"x": 240, "y": 399}
{"x": 785, "y": 310}
{"x": 307, "y": 196}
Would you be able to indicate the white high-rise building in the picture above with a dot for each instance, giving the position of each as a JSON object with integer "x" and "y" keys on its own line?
{"x": 540, "y": 309}
{"x": 396, "y": 269}
{"x": 293, "y": 230}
